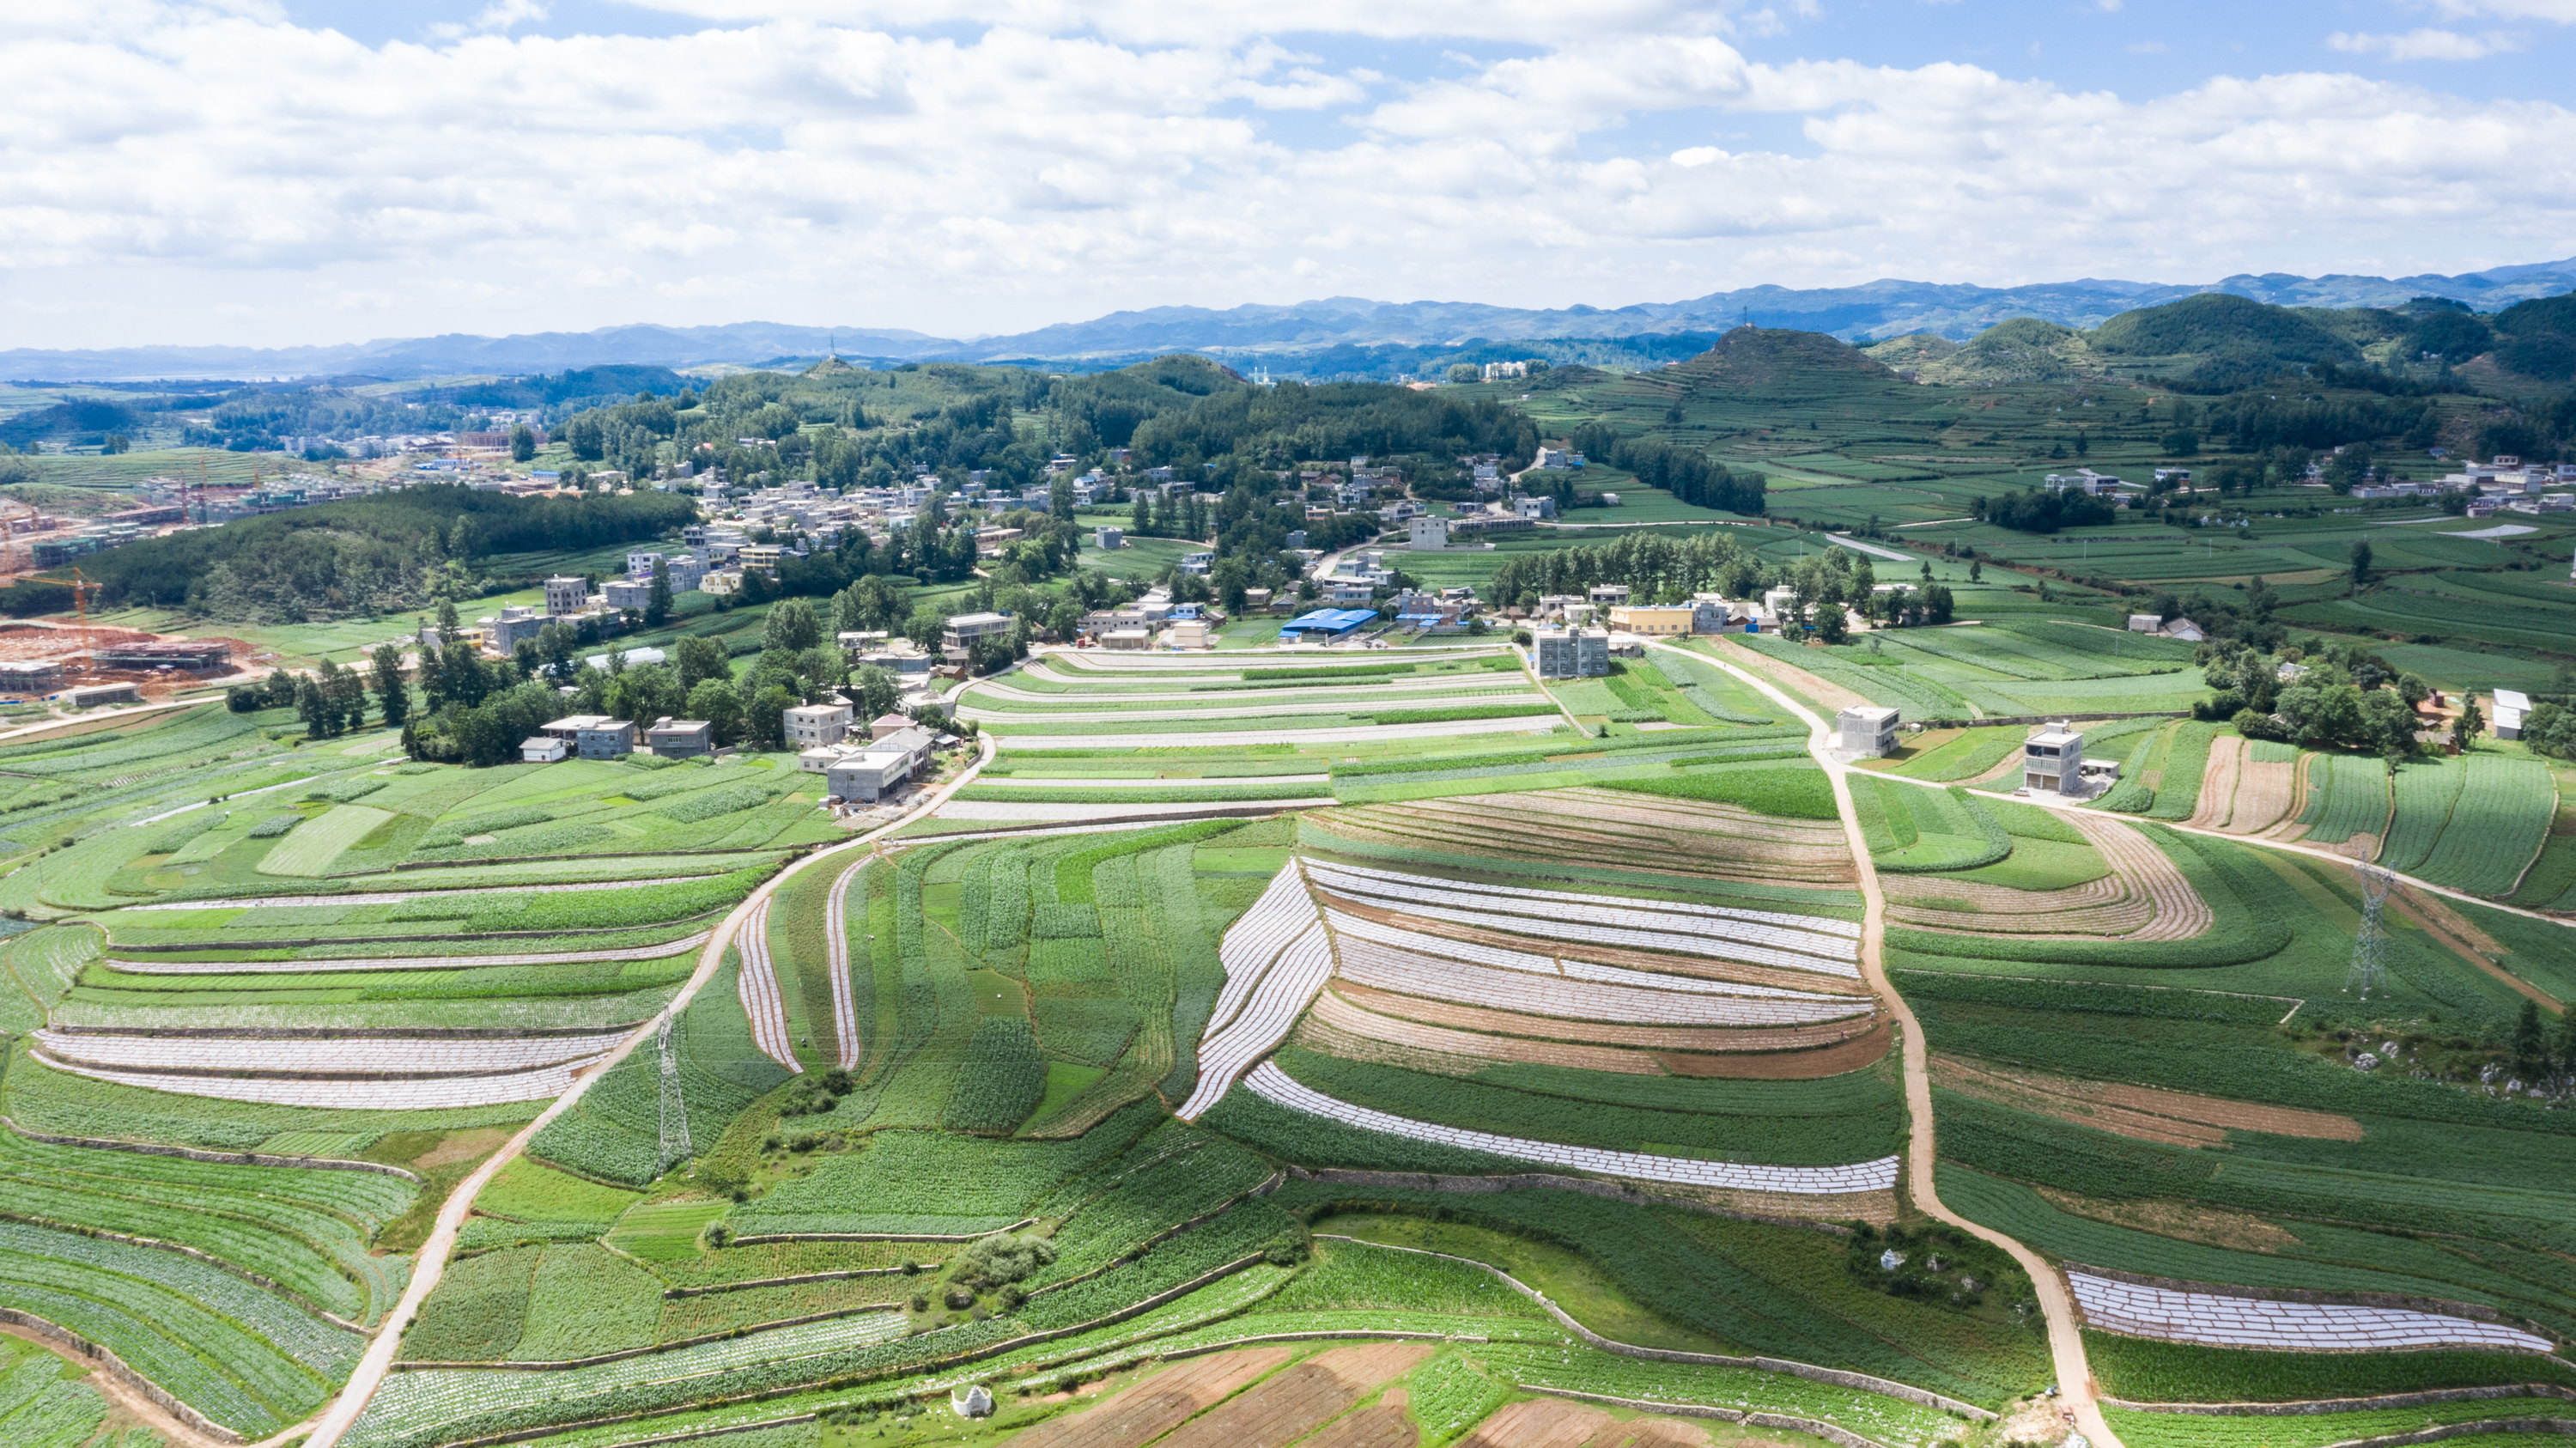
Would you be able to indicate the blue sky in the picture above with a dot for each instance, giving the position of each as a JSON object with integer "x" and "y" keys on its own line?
{"x": 281, "y": 171}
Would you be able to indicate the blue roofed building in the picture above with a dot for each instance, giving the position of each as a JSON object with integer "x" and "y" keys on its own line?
{"x": 1325, "y": 625}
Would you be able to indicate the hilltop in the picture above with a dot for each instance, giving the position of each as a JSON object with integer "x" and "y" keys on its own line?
{"x": 1763, "y": 359}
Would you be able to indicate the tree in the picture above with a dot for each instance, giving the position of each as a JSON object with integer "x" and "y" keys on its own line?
{"x": 523, "y": 444}
{"x": 823, "y": 668}
{"x": 876, "y": 691}
{"x": 1060, "y": 496}
{"x": 867, "y": 606}
{"x": 2527, "y": 1039}
{"x": 313, "y": 710}
{"x": 715, "y": 702}
{"x": 2360, "y": 561}
{"x": 2471, "y": 723}
{"x": 555, "y": 643}
{"x": 700, "y": 659}
{"x": 657, "y": 599}
{"x": 2320, "y": 708}
{"x": 2387, "y": 725}
{"x": 645, "y": 693}
{"x": 765, "y": 718}
{"x": 391, "y": 692}
{"x": 1976, "y": 570}
{"x": 2551, "y": 729}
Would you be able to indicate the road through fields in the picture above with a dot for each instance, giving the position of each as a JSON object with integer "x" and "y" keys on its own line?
{"x": 431, "y": 1262}
{"x": 2076, "y": 1387}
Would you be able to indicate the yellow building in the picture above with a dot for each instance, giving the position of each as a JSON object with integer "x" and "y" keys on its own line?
{"x": 1652, "y": 619}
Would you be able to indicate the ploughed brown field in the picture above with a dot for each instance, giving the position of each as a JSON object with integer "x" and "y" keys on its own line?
{"x": 1293, "y": 1403}
{"x": 1157, "y": 1405}
{"x": 1555, "y": 1423}
{"x": 2173, "y": 1118}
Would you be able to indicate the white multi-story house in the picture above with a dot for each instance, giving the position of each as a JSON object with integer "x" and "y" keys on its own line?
{"x": 812, "y": 725}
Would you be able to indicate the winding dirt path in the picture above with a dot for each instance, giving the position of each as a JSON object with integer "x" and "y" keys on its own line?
{"x": 2076, "y": 1388}
{"x": 431, "y": 1262}
{"x": 2075, "y": 810}
{"x": 121, "y": 1395}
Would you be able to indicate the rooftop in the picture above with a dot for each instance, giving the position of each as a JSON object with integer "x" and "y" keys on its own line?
{"x": 1331, "y": 618}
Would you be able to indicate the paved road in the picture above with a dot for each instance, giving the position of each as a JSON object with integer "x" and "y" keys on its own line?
{"x": 2056, "y": 1300}
{"x": 431, "y": 1262}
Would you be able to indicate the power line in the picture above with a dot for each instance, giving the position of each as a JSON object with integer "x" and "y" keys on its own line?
{"x": 676, "y": 1146}
{"x": 2370, "y": 942}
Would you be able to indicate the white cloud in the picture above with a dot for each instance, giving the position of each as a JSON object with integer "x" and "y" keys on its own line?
{"x": 499, "y": 15}
{"x": 2561, "y": 11}
{"x": 2424, "y": 44}
{"x": 1161, "y": 22}
{"x": 164, "y": 161}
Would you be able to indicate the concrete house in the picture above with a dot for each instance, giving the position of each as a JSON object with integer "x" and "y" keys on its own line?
{"x": 681, "y": 738}
{"x": 2053, "y": 759}
{"x": 1866, "y": 730}
{"x": 1571, "y": 653}
{"x": 811, "y": 725}
{"x": 606, "y": 739}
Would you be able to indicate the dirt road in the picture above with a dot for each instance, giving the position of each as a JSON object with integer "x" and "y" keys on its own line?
{"x": 431, "y": 1263}
{"x": 2056, "y": 1300}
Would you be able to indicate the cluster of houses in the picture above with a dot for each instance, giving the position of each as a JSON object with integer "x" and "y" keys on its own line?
{"x": 2052, "y": 760}
{"x": 2173, "y": 628}
{"x": 2502, "y": 482}
{"x": 596, "y": 736}
{"x": 1569, "y": 644}
{"x": 568, "y": 600}
{"x": 857, "y": 769}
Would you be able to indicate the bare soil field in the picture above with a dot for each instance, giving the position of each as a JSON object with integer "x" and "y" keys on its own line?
{"x": 2145, "y": 1113}
{"x": 1554, "y": 1028}
{"x": 1158, "y": 1404}
{"x": 1293, "y": 1403}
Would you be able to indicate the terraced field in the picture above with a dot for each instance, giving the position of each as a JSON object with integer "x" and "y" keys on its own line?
{"x": 2009, "y": 668}
{"x": 1152, "y": 1049}
{"x": 2477, "y": 823}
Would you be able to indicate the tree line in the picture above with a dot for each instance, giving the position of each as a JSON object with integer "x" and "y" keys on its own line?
{"x": 1686, "y": 473}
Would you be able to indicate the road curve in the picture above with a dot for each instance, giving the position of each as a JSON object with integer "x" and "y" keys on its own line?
{"x": 2059, "y": 802}
{"x": 430, "y": 1263}
{"x": 2076, "y": 1388}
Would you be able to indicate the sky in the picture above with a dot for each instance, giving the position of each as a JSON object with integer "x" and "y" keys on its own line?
{"x": 283, "y": 172}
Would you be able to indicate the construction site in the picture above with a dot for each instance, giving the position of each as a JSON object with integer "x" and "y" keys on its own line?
{"x": 85, "y": 666}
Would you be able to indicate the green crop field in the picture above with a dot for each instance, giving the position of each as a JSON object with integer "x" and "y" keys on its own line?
{"x": 1214, "y": 1002}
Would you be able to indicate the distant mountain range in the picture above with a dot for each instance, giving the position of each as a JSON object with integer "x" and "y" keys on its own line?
{"x": 1308, "y": 336}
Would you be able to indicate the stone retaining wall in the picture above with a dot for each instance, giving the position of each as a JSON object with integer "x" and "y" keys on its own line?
{"x": 101, "y": 1360}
